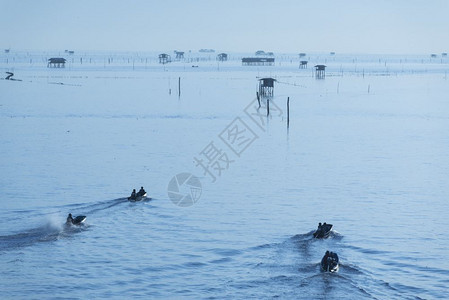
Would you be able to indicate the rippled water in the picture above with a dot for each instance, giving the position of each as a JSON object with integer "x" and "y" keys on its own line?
{"x": 372, "y": 164}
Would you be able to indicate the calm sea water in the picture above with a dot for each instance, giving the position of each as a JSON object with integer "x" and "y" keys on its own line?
{"x": 366, "y": 151}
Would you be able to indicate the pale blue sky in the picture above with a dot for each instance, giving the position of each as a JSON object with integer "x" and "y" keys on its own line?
{"x": 378, "y": 26}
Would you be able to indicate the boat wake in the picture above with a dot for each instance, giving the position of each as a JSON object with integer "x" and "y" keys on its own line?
{"x": 293, "y": 266}
{"x": 46, "y": 233}
{"x": 51, "y": 226}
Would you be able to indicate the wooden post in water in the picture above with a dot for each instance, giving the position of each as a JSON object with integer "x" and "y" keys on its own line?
{"x": 169, "y": 87}
{"x": 288, "y": 112}
{"x": 268, "y": 107}
{"x": 258, "y": 98}
{"x": 179, "y": 87}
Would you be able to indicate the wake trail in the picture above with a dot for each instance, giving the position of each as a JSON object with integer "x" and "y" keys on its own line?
{"x": 54, "y": 227}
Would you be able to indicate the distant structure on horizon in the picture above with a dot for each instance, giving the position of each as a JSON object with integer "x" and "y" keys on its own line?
{"x": 9, "y": 76}
{"x": 433, "y": 55}
{"x": 56, "y": 62}
{"x": 303, "y": 64}
{"x": 266, "y": 86}
{"x": 258, "y": 61}
{"x": 444, "y": 54}
{"x": 263, "y": 53}
{"x": 164, "y": 58}
{"x": 222, "y": 57}
{"x": 207, "y": 50}
{"x": 332, "y": 53}
{"x": 6, "y": 50}
{"x": 302, "y": 55}
{"x": 320, "y": 71}
{"x": 179, "y": 55}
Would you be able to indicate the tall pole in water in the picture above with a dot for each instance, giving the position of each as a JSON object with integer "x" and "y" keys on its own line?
{"x": 179, "y": 87}
{"x": 288, "y": 112}
{"x": 268, "y": 107}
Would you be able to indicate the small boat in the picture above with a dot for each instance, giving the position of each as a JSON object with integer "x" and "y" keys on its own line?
{"x": 330, "y": 262}
{"x": 77, "y": 220}
{"x": 137, "y": 197}
{"x": 323, "y": 231}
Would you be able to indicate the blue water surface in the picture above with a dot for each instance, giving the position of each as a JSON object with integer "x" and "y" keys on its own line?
{"x": 365, "y": 151}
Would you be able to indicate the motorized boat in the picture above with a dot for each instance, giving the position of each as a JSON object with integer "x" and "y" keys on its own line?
{"x": 137, "y": 197}
{"x": 323, "y": 231}
{"x": 76, "y": 221}
{"x": 330, "y": 262}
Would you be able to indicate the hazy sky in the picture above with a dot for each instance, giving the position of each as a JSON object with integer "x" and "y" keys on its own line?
{"x": 377, "y": 26}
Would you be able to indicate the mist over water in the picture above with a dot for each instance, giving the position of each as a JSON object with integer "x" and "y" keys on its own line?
{"x": 366, "y": 151}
